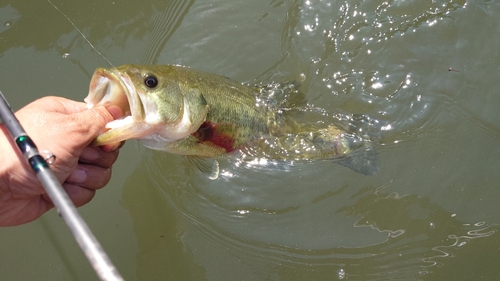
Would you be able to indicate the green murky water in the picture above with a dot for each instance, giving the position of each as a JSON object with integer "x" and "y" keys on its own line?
{"x": 430, "y": 213}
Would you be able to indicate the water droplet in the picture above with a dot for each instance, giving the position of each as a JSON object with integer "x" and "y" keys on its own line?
{"x": 341, "y": 274}
{"x": 243, "y": 212}
{"x": 65, "y": 55}
{"x": 302, "y": 77}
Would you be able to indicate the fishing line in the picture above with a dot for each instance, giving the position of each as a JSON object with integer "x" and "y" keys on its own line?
{"x": 81, "y": 33}
{"x": 86, "y": 240}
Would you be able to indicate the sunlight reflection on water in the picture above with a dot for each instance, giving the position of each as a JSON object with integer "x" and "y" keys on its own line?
{"x": 304, "y": 215}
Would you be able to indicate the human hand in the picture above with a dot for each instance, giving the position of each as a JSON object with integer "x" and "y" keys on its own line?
{"x": 65, "y": 128}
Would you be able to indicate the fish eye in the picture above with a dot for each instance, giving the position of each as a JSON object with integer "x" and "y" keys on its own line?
{"x": 151, "y": 81}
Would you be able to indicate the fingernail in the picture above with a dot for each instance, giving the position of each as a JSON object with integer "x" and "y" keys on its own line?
{"x": 78, "y": 176}
{"x": 90, "y": 153}
{"x": 112, "y": 147}
{"x": 115, "y": 111}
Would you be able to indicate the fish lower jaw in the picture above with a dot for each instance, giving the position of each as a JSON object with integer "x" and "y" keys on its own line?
{"x": 123, "y": 129}
{"x": 119, "y": 123}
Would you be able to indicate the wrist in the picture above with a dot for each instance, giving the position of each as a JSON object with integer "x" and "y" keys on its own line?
{"x": 6, "y": 150}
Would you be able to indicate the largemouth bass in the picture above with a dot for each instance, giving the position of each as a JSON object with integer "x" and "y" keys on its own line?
{"x": 194, "y": 113}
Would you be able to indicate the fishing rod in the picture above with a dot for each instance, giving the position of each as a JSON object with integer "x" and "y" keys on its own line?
{"x": 99, "y": 260}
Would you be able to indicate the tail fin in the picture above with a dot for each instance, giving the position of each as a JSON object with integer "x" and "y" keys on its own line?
{"x": 362, "y": 156}
{"x": 363, "y": 160}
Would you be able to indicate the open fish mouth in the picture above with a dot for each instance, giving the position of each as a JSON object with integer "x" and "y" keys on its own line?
{"x": 112, "y": 87}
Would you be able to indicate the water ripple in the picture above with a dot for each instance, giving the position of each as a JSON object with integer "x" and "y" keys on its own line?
{"x": 208, "y": 220}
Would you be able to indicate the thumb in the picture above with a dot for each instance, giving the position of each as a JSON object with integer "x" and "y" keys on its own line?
{"x": 97, "y": 118}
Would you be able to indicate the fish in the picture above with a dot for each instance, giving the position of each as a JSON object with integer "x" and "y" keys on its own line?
{"x": 200, "y": 114}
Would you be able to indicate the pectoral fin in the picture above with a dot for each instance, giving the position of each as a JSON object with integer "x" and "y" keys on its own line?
{"x": 207, "y": 166}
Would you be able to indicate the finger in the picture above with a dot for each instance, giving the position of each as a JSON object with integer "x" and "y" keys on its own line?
{"x": 79, "y": 195}
{"x": 115, "y": 111}
{"x": 96, "y": 119}
{"x": 88, "y": 176}
{"x": 98, "y": 156}
{"x": 112, "y": 147}
{"x": 71, "y": 106}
